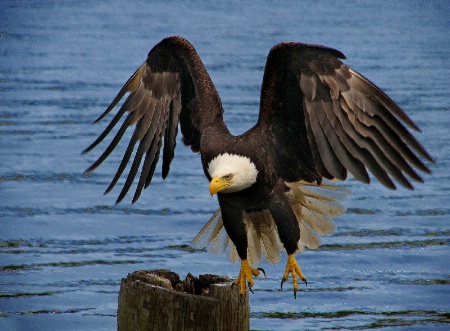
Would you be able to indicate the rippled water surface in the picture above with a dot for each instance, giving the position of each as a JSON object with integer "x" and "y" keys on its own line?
{"x": 64, "y": 247}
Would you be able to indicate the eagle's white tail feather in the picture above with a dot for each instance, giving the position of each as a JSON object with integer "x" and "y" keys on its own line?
{"x": 270, "y": 239}
{"x": 319, "y": 223}
{"x": 323, "y": 207}
{"x": 232, "y": 252}
{"x": 220, "y": 242}
{"x": 216, "y": 232}
{"x": 307, "y": 238}
{"x": 205, "y": 235}
{"x": 313, "y": 206}
{"x": 327, "y": 191}
{"x": 254, "y": 242}
{"x": 263, "y": 237}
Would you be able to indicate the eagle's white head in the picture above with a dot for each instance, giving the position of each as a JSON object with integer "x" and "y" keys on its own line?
{"x": 231, "y": 173}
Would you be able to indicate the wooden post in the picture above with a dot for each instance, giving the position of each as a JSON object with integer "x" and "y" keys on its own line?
{"x": 158, "y": 300}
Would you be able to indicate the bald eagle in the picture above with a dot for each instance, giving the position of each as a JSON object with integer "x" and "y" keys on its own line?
{"x": 319, "y": 120}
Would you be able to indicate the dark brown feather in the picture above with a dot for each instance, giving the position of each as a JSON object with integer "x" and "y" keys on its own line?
{"x": 351, "y": 124}
{"x": 170, "y": 135}
{"x": 171, "y": 87}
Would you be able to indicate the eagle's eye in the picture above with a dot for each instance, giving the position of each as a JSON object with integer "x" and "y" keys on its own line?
{"x": 228, "y": 177}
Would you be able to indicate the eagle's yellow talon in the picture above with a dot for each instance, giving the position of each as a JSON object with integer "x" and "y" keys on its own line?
{"x": 246, "y": 277}
{"x": 293, "y": 268}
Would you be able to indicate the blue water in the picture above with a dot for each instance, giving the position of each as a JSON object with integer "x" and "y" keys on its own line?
{"x": 64, "y": 247}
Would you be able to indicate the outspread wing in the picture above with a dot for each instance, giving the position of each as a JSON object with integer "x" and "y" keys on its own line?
{"x": 325, "y": 119}
{"x": 169, "y": 88}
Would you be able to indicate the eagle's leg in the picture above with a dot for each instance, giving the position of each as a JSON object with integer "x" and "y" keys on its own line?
{"x": 245, "y": 277}
{"x": 235, "y": 227}
{"x": 293, "y": 268}
{"x": 288, "y": 230}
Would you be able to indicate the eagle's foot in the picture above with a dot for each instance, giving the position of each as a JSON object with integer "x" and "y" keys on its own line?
{"x": 293, "y": 268}
{"x": 245, "y": 277}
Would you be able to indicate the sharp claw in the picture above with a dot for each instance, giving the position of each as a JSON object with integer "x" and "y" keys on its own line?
{"x": 250, "y": 287}
{"x": 295, "y": 293}
{"x": 282, "y": 282}
{"x": 306, "y": 283}
{"x": 246, "y": 275}
{"x": 263, "y": 271}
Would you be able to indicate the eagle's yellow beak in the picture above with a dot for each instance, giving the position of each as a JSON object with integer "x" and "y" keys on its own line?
{"x": 217, "y": 184}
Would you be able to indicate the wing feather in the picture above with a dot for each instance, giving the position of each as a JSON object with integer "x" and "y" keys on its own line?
{"x": 150, "y": 146}
{"x": 170, "y": 135}
{"x": 392, "y": 146}
{"x": 342, "y": 145}
{"x": 171, "y": 87}
{"x": 347, "y": 124}
{"x": 319, "y": 163}
{"x": 326, "y": 151}
{"x": 130, "y": 86}
{"x": 385, "y": 147}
